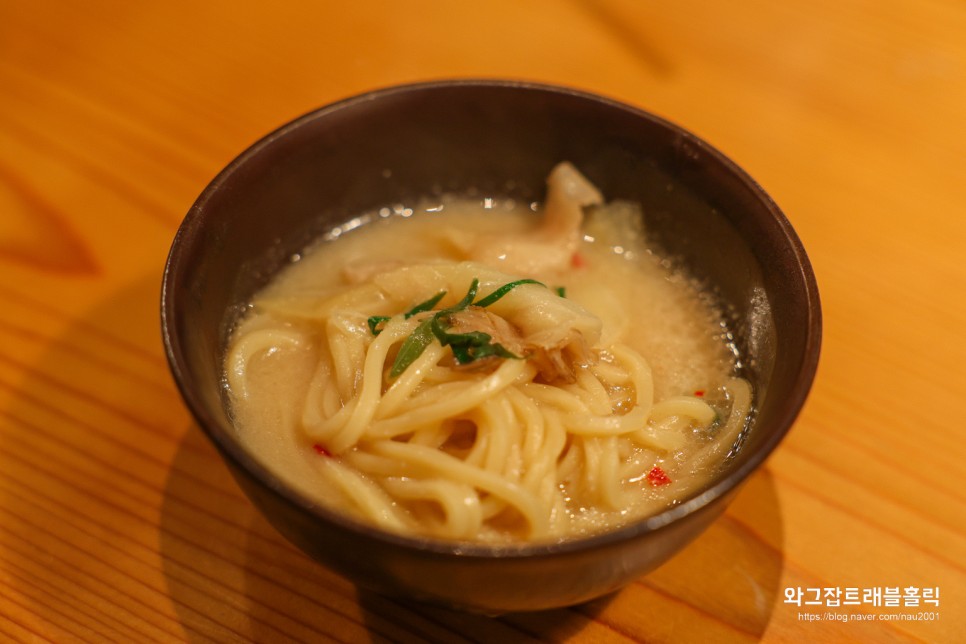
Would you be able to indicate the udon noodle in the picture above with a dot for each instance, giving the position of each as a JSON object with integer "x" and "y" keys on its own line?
{"x": 470, "y": 370}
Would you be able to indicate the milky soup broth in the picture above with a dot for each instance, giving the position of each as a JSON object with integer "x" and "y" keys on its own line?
{"x": 586, "y": 427}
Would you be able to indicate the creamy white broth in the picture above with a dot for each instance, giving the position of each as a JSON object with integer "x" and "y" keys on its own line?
{"x": 638, "y": 310}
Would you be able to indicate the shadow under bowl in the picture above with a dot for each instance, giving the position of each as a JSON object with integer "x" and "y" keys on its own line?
{"x": 500, "y": 138}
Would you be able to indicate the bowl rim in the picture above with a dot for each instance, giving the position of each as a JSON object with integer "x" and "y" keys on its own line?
{"x": 232, "y": 449}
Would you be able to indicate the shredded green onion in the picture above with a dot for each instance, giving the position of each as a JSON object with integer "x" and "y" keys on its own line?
{"x": 376, "y": 321}
{"x": 503, "y": 290}
{"x": 413, "y": 347}
{"x": 467, "y": 347}
{"x": 471, "y": 346}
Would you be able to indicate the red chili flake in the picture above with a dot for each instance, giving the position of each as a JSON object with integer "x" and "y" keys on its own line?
{"x": 699, "y": 393}
{"x": 321, "y": 450}
{"x": 577, "y": 260}
{"x": 657, "y": 477}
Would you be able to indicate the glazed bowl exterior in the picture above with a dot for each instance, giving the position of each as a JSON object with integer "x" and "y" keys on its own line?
{"x": 497, "y": 138}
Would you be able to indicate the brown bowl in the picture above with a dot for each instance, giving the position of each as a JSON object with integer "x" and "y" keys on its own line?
{"x": 501, "y": 138}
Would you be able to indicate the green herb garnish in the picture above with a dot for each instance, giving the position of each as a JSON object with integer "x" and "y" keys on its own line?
{"x": 412, "y": 347}
{"x": 467, "y": 347}
{"x": 503, "y": 290}
{"x": 425, "y": 306}
{"x": 376, "y": 321}
{"x": 471, "y": 346}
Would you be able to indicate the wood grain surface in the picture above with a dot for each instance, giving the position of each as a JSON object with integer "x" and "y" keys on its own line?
{"x": 118, "y": 522}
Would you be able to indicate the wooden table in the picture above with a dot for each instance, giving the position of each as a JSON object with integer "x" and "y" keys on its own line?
{"x": 118, "y": 522}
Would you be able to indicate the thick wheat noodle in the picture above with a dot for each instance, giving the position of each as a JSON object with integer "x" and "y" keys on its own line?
{"x": 257, "y": 342}
{"x": 453, "y": 469}
{"x": 369, "y": 497}
{"x": 469, "y": 397}
{"x": 361, "y": 409}
{"x": 404, "y": 386}
{"x": 347, "y": 347}
{"x": 461, "y": 507}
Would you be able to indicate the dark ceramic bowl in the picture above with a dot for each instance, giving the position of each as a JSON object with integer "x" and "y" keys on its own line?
{"x": 500, "y": 138}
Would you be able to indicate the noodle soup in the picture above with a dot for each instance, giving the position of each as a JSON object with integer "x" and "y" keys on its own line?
{"x": 470, "y": 370}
